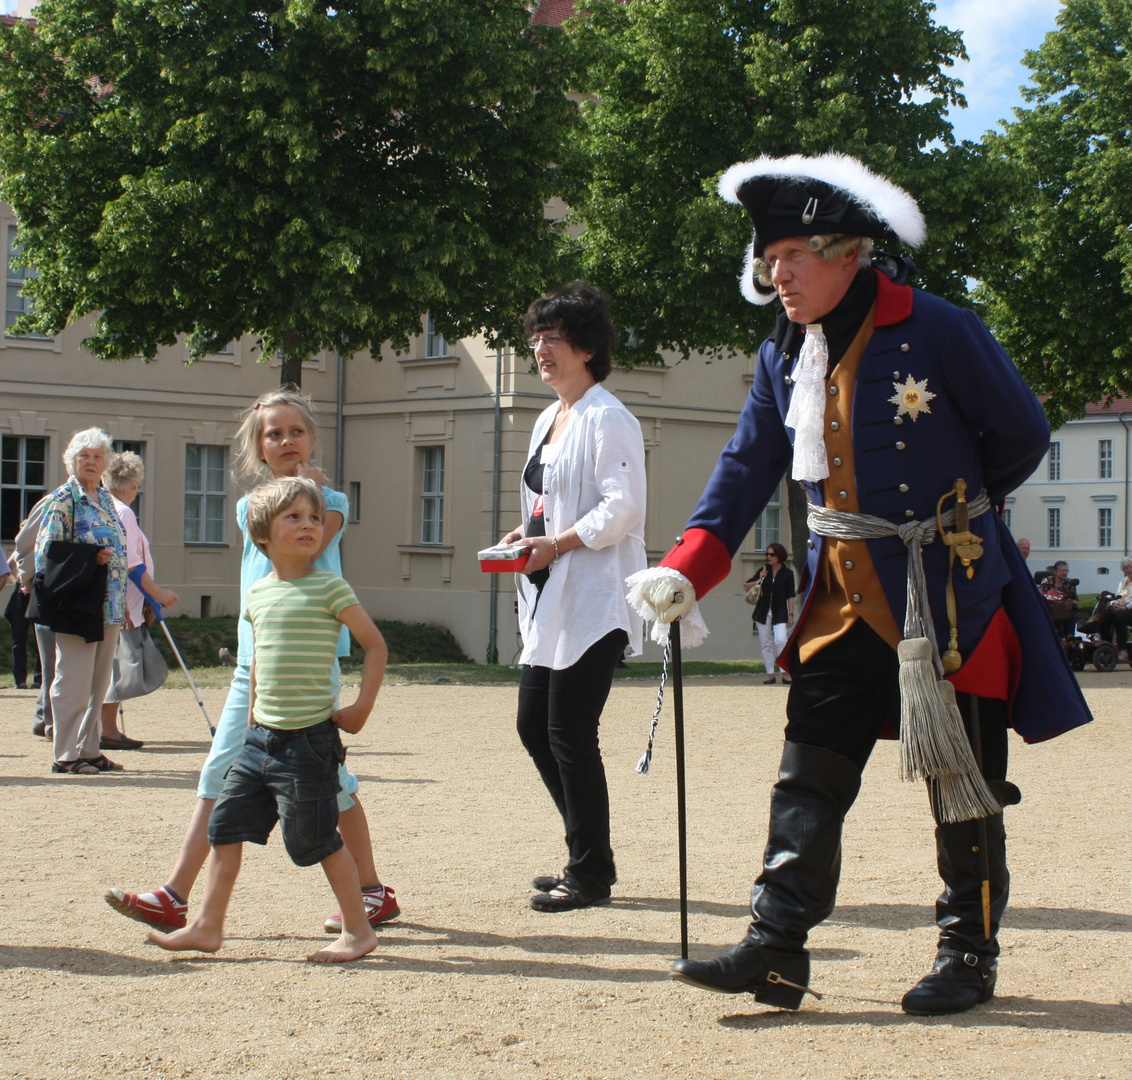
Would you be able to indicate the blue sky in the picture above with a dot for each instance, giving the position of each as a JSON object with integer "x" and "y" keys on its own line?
{"x": 997, "y": 33}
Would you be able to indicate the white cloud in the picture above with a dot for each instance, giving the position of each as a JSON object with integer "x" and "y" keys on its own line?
{"x": 996, "y": 33}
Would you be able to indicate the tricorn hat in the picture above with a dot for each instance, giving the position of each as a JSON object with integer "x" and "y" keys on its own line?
{"x": 805, "y": 196}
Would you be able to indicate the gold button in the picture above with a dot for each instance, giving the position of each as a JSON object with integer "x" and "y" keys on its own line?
{"x": 904, "y": 489}
{"x": 856, "y": 598}
{"x": 905, "y": 347}
{"x": 833, "y": 391}
{"x": 848, "y": 564}
{"x": 896, "y": 375}
{"x": 810, "y": 544}
{"x": 837, "y": 461}
{"x": 843, "y": 494}
{"x": 899, "y": 446}
{"x": 834, "y": 426}
{"x": 788, "y": 380}
{"x": 909, "y": 513}
{"x": 898, "y": 419}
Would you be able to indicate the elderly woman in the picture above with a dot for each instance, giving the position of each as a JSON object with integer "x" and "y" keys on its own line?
{"x": 583, "y": 499}
{"x": 1060, "y": 591}
{"x": 83, "y": 511}
{"x": 1118, "y": 614}
{"x": 123, "y": 478}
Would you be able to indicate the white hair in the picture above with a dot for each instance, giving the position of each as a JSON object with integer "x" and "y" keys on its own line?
{"x": 88, "y": 439}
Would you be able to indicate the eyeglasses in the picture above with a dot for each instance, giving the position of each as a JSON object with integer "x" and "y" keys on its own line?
{"x": 551, "y": 341}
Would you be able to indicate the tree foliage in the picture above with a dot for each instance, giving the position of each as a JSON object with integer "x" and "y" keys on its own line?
{"x": 315, "y": 175}
{"x": 681, "y": 89}
{"x": 1057, "y": 288}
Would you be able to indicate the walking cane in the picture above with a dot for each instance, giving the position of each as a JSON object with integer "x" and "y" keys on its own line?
{"x": 984, "y": 855}
{"x": 681, "y": 803}
{"x": 136, "y": 576}
{"x": 672, "y": 654}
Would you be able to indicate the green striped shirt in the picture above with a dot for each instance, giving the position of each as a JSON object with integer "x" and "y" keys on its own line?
{"x": 296, "y": 629}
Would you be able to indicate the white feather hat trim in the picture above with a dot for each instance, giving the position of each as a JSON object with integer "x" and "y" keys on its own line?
{"x": 747, "y": 280}
{"x": 882, "y": 198}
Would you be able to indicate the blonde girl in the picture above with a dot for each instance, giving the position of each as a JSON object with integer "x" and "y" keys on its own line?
{"x": 277, "y": 437}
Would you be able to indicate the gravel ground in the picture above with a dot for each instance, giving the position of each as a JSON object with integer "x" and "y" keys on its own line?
{"x": 470, "y": 982}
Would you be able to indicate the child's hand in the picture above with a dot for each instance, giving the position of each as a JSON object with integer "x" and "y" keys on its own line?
{"x": 309, "y": 471}
{"x": 351, "y": 718}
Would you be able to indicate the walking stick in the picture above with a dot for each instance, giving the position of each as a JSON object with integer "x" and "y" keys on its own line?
{"x": 681, "y": 802}
{"x": 135, "y": 577}
{"x": 984, "y": 856}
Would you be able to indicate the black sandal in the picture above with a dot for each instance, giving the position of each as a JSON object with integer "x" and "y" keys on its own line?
{"x": 569, "y": 896}
{"x": 103, "y": 764}
{"x": 78, "y": 767}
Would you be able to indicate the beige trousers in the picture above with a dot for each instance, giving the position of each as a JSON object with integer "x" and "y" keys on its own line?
{"x": 82, "y": 677}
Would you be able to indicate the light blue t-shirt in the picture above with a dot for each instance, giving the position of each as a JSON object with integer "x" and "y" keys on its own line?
{"x": 255, "y": 565}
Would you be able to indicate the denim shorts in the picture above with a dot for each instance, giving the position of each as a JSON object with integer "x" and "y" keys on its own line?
{"x": 289, "y": 776}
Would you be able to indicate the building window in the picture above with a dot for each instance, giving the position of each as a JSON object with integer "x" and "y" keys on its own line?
{"x": 1007, "y": 517}
{"x": 768, "y": 526}
{"x": 120, "y": 446}
{"x": 1053, "y": 523}
{"x": 205, "y": 494}
{"x": 432, "y": 495}
{"x": 1104, "y": 526}
{"x": 435, "y": 345}
{"x": 23, "y": 479}
{"x": 1104, "y": 459}
{"x": 1055, "y": 460}
{"x": 355, "y": 500}
{"x": 16, "y": 304}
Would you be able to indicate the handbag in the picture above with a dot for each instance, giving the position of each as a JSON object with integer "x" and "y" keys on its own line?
{"x": 755, "y": 592}
{"x": 139, "y": 668}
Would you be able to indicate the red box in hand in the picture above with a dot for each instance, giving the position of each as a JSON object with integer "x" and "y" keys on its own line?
{"x": 504, "y": 558}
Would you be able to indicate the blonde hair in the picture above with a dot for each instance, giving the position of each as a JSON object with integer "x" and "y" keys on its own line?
{"x": 88, "y": 439}
{"x": 248, "y": 462}
{"x": 829, "y": 245}
{"x": 272, "y": 497}
{"x": 126, "y": 470}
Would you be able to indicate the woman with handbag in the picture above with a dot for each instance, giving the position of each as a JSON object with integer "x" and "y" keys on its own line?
{"x": 774, "y": 610}
{"x": 139, "y": 668}
{"x": 80, "y": 592}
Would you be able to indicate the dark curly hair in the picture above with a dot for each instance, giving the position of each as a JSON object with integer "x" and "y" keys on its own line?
{"x": 581, "y": 314}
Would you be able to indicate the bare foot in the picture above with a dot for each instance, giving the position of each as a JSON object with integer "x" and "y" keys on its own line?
{"x": 345, "y": 947}
{"x": 192, "y": 937}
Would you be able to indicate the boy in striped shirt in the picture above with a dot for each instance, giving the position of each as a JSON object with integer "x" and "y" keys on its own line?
{"x": 287, "y": 770}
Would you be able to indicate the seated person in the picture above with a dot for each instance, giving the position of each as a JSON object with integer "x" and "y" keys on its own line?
{"x": 1060, "y": 591}
{"x": 1118, "y": 613}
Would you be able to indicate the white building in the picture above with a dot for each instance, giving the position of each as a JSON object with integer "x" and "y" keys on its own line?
{"x": 1076, "y": 505}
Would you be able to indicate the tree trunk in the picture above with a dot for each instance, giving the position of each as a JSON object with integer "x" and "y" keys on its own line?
{"x": 291, "y": 370}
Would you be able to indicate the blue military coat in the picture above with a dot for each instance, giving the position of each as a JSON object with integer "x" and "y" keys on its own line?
{"x": 984, "y": 425}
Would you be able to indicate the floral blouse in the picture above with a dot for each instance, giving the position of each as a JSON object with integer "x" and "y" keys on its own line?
{"x": 94, "y": 523}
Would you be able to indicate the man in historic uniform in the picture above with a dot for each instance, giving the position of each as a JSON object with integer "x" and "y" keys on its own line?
{"x": 892, "y": 406}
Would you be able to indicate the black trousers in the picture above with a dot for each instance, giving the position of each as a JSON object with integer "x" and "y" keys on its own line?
{"x": 845, "y": 696}
{"x": 559, "y": 714}
{"x": 16, "y": 614}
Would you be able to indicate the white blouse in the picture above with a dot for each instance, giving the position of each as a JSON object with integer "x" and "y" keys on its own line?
{"x": 596, "y": 483}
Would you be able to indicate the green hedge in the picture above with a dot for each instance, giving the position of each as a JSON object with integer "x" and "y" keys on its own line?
{"x": 200, "y": 641}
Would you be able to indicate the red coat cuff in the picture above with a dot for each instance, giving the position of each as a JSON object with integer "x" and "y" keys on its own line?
{"x": 701, "y": 558}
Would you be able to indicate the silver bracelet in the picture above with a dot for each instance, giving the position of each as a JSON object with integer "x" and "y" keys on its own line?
{"x": 557, "y": 554}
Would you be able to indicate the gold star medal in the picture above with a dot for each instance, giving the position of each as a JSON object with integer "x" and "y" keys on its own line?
{"x": 911, "y": 397}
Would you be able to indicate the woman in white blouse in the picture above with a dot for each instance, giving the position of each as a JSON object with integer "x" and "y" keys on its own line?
{"x": 583, "y": 498}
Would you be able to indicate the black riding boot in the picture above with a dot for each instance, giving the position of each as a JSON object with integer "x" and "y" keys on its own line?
{"x": 798, "y": 884}
{"x": 966, "y": 965}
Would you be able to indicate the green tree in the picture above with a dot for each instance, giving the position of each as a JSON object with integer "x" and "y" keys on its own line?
{"x": 316, "y": 175}
{"x": 681, "y": 89}
{"x": 1057, "y": 287}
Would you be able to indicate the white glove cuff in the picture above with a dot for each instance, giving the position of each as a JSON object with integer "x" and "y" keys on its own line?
{"x": 645, "y": 590}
